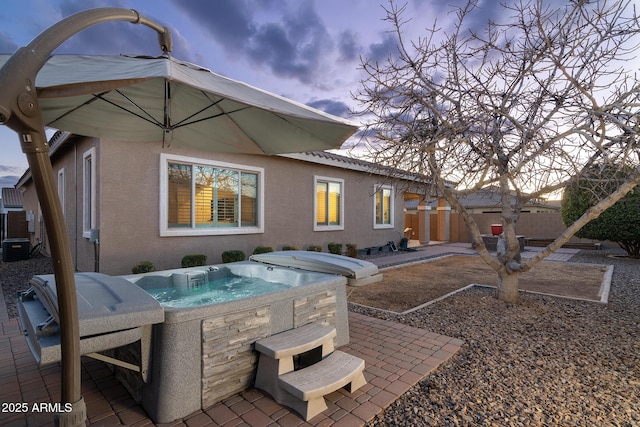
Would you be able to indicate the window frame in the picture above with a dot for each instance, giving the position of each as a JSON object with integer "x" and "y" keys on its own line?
{"x": 330, "y": 180}
{"x": 193, "y": 229}
{"x": 377, "y": 189}
{"x": 89, "y": 178}
{"x": 61, "y": 185}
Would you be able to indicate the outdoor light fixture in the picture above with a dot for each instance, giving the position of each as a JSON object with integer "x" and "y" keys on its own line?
{"x": 20, "y": 111}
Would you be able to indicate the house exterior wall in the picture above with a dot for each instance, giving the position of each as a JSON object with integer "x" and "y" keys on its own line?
{"x": 32, "y": 210}
{"x": 128, "y": 205}
{"x": 68, "y": 176}
{"x": 130, "y": 213}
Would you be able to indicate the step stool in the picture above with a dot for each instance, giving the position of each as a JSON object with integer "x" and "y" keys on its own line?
{"x": 304, "y": 389}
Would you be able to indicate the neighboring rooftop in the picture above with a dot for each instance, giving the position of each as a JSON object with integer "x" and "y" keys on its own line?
{"x": 11, "y": 198}
{"x": 489, "y": 199}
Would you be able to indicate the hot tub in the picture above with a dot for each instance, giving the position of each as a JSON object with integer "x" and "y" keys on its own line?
{"x": 189, "y": 346}
{"x": 204, "y": 353}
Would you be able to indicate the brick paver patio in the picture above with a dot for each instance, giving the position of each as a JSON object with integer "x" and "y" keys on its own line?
{"x": 397, "y": 357}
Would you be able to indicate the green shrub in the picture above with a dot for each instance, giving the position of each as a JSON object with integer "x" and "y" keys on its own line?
{"x": 335, "y": 248}
{"x": 143, "y": 267}
{"x": 289, "y": 248}
{"x": 314, "y": 248}
{"x": 262, "y": 250}
{"x": 619, "y": 223}
{"x": 352, "y": 250}
{"x": 194, "y": 260}
{"x": 233, "y": 256}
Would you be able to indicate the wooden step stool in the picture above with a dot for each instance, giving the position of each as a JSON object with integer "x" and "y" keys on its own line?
{"x": 304, "y": 389}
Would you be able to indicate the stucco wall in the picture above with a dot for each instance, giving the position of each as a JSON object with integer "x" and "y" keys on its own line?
{"x": 542, "y": 225}
{"x": 129, "y": 209}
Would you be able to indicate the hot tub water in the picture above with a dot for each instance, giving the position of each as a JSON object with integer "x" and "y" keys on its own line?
{"x": 215, "y": 291}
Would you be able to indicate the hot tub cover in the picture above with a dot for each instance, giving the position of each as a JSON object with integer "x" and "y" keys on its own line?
{"x": 111, "y": 310}
{"x": 359, "y": 272}
{"x": 105, "y": 303}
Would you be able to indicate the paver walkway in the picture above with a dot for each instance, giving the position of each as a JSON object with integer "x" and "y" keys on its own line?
{"x": 397, "y": 357}
{"x": 431, "y": 251}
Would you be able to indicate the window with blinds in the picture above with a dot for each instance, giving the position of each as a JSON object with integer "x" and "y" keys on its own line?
{"x": 201, "y": 196}
{"x": 88, "y": 191}
{"x": 383, "y": 207}
{"x": 329, "y": 203}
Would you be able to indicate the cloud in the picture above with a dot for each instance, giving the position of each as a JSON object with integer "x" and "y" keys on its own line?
{"x": 291, "y": 45}
{"x": 383, "y": 50}
{"x": 4, "y": 169}
{"x": 228, "y": 21}
{"x": 348, "y": 46}
{"x": 7, "y": 45}
{"x": 8, "y": 181}
{"x": 337, "y": 108}
{"x": 9, "y": 175}
{"x": 115, "y": 38}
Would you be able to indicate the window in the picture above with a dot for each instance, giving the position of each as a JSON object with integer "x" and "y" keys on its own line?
{"x": 61, "y": 188}
{"x": 329, "y": 204}
{"x": 383, "y": 207}
{"x": 88, "y": 191}
{"x": 202, "y": 197}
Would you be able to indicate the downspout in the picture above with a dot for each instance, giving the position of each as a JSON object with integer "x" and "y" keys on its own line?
{"x": 20, "y": 111}
{"x": 75, "y": 189}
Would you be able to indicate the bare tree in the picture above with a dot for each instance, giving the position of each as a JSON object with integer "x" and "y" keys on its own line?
{"x": 523, "y": 105}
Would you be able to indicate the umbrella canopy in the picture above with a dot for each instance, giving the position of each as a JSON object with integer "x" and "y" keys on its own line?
{"x": 163, "y": 99}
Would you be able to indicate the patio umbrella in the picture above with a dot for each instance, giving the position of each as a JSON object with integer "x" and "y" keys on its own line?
{"x": 177, "y": 103}
{"x": 134, "y": 99}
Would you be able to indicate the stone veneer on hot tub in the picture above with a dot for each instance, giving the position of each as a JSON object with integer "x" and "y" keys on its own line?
{"x": 200, "y": 355}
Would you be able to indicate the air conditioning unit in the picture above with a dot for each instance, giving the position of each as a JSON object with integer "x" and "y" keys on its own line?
{"x": 15, "y": 250}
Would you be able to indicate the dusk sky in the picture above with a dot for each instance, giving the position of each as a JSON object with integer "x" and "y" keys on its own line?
{"x": 305, "y": 50}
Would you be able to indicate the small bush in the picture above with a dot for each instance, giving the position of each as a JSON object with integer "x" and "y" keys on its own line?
{"x": 143, "y": 267}
{"x": 194, "y": 260}
{"x": 289, "y": 248}
{"x": 262, "y": 250}
{"x": 352, "y": 250}
{"x": 314, "y": 248}
{"x": 335, "y": 248}
{"x": 233, "y": 256}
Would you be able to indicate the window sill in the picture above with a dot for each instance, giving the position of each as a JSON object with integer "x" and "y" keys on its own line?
{"x": 177, "y": 232}
{"x": 329, "y": 228}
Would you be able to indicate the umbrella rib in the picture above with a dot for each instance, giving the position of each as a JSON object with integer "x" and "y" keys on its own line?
{"x": 149, "y": 118}
{"x": 146, "y": 116}
{"x": 183, "y": 123}
{"x": 100, "y": 96}
{"x": 95, "y": 97}
{"x": 213, "y": 104}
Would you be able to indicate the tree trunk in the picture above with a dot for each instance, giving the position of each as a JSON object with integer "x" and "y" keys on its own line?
{"x": 507, "y": 290}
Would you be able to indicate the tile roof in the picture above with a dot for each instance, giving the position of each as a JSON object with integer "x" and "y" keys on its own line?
{"x": 345, "y": 162}
{"x": 11, "y": 198}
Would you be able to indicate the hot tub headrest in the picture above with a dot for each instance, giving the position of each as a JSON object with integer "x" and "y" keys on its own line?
{"x": 190, "y": 278}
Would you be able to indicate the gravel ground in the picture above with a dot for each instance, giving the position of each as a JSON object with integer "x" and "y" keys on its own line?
{"x": 15, "y": 276}
{"x": 545, "y": 362}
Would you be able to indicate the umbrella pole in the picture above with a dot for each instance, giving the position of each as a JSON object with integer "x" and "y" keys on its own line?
{"x": 73, "y": 410}
{"x": 19, "y": 109}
